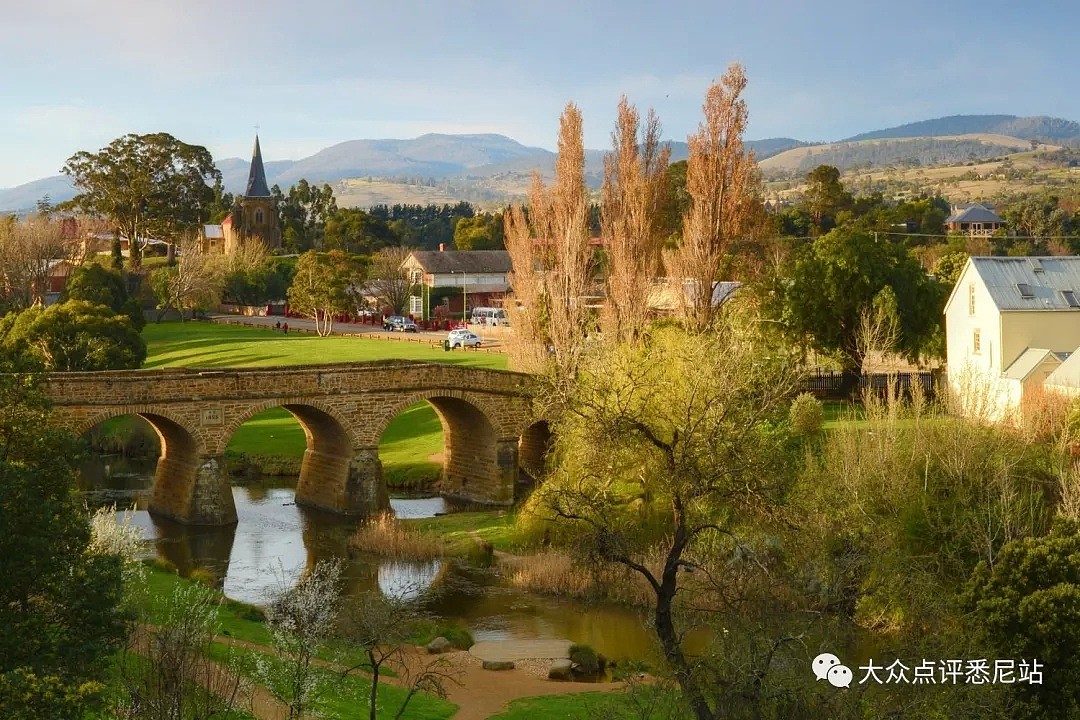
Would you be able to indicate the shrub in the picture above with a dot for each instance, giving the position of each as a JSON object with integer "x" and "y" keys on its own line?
{"x": 585, "y": 659}
{"x": 459, "y": 637}
{"x": 203, "y": 577}
{"x": 245, "y": 611}
{"x": 164, "y": 565}
{"x": 385, "y": 536}
{"x": 807, "y": 415}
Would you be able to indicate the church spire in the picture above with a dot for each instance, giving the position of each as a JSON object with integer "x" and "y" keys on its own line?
{"x": 256, "y": 184}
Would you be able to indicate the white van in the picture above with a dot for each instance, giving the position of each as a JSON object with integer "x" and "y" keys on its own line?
{"x": 492, "y": 317}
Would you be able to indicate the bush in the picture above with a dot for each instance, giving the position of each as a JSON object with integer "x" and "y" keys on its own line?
{"x": 245, "y": 611}
{"x": 164, "y": 565}
{"x": 585, "y": 659}
{"x": 204, "y": 577}
{"x": 459, "y": 637}
{"x": 807, "y": 415}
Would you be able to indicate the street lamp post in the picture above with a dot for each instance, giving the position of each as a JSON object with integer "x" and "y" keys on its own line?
{"x": 464, "y": 296}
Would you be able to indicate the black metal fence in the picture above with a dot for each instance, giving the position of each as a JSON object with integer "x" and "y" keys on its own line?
{"x": 831, "y": 385}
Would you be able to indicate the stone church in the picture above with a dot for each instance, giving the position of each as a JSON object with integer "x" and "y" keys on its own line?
{"x": 253, "y": 217}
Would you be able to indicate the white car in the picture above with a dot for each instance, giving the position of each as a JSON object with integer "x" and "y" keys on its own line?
{"x": 462, "y": 338}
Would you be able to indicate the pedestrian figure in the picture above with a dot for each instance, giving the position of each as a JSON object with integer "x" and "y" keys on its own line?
{"x": 277, "y": 325}
{"x": 285, "y": 328}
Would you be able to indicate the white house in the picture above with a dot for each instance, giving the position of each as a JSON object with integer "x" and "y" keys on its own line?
{"x": 1011, "y": 325}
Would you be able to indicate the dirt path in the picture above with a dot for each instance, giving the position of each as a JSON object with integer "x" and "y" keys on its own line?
{"x": 478, "y": 693}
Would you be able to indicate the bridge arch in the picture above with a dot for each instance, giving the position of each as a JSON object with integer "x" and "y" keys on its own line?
{"x": 479, "y": 452}
{"x": 337, "y": 474}
{"x": 188, "y": 483}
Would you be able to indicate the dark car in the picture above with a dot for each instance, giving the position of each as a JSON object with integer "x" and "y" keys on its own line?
{"x": 399, "y": 324}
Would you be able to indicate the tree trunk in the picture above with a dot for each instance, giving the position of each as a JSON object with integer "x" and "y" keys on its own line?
{"x": 669, "y": 641}
{"x": 373, "y": 699}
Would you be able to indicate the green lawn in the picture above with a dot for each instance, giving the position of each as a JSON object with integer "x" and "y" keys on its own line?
{"x": 408, "y": 443}
{"x": 203, "y": 344}
{"x": 498, "y": 527}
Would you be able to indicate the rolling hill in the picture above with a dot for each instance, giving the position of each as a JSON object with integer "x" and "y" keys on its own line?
{"x": 491, "y": 169}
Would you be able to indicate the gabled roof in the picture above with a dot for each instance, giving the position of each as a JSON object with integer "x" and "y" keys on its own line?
{"x": 973, "y": 213}
{"x": 1067, "y": 374}
{"x": 256, "y": 184}
{"x": 1030, "y": 359}
{"x": 1047, "y": 280}
{"x": 468, "y": 261}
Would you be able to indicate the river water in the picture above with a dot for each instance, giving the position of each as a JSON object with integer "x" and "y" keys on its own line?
{"x": 275, "y": 540}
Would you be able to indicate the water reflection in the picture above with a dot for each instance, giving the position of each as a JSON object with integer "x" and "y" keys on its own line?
{"x": 275, "y": 540}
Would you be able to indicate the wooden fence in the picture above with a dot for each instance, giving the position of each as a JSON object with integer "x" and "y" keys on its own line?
{"x": 830, "y": 384}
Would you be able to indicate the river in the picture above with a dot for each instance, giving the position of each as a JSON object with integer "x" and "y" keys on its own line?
{"x": 275, "y": 540}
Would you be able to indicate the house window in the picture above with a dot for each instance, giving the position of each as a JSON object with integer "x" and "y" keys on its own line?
{"x": 259, "y": 217}
{"x": 976, "y": 342}
{"x": 971, "y": 299}
{"x": 417, "y": 277}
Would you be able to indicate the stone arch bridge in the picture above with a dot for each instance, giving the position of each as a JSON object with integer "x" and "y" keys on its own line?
{"x": 488, "y": 427}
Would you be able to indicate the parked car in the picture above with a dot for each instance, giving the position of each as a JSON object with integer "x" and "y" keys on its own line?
{"x": 462, "y": 338}
{"x": 399, "y": 324}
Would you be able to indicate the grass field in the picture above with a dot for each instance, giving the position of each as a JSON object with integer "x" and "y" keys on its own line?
{"x": 409, "y": 442}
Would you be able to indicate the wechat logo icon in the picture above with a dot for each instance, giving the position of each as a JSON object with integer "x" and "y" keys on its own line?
{"x": 827, "y": 666}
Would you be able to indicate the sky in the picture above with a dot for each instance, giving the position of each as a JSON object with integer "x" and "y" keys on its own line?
{"x": 74, "y": 75}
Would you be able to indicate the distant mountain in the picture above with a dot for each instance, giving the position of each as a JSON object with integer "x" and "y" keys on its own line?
{"x": 1041, "y": 127}
{"x": 893, "y": 152}
{"x": 494, "y": 167}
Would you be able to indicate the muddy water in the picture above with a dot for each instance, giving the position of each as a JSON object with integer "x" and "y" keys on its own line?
{"x": 275, "y": 540}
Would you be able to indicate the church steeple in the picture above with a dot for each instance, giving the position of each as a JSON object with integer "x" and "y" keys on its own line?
{"x": 256, "y": 184}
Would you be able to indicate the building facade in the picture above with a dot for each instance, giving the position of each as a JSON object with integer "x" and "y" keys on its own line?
{"x": 255, "y": 216}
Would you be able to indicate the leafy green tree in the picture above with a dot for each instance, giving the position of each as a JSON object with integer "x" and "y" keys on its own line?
{"x": 948, "y": 267}
{"x": 95, "y": 283}
{"x": 59, "y": 602}
{"x": 324, "y": 286}
{"x": 1027, "y": 606}
{"x": 75, "y": 335}
{"x": 357, "y": 231}
{"x": 222, "y": 204}
{"x": 821, "y": 295}
{"x": 668, "y": 451}
{"x": 480, "y": 232}
{"x": 147, "y": 185}
{"x": 825, "y": 196}
{"x": 304, "y": 212}
{"x": 266, "y": 282}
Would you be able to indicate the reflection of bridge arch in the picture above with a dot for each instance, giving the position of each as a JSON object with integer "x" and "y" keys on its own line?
{"x": 186, "y": 487}
{"x": 343, "y": 409}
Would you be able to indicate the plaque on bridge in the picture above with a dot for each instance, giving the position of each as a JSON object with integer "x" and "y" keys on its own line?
{"x": 212, "y": 416}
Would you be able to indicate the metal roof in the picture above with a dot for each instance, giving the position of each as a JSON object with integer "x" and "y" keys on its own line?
{"x": 1002, "y": 275}
{"x": 973, "y": 213}
{"x": 467, "y": 261}
{"x": 213, "y": 232}
{"x": 1027, "y": 362}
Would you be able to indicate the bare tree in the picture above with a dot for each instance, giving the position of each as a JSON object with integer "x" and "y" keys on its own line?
{"x": 388, "y": 281}
{"x": 301, "y": 619}
{"x": 557, "y": 222}
{"x": 527, "y": 306}
{"x": 194, "y": 283}
{"x": 633, "y": 194}
{"x": 180, "y": 681}
{"x": 381, "y": 625}
{"x": 28, "y": 249}
{"x": 724, "y": 183}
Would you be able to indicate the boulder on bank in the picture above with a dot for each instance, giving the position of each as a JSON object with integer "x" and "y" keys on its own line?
{"x": 439, "y": 645}
{"x": 561, "y": 670}
{"x": 498, "y": 665}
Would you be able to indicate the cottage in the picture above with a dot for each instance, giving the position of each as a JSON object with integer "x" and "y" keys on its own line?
{"x": 1012, "y": 324}
{"x": 481, "y": 276}
{"x": 973, "y": 219}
